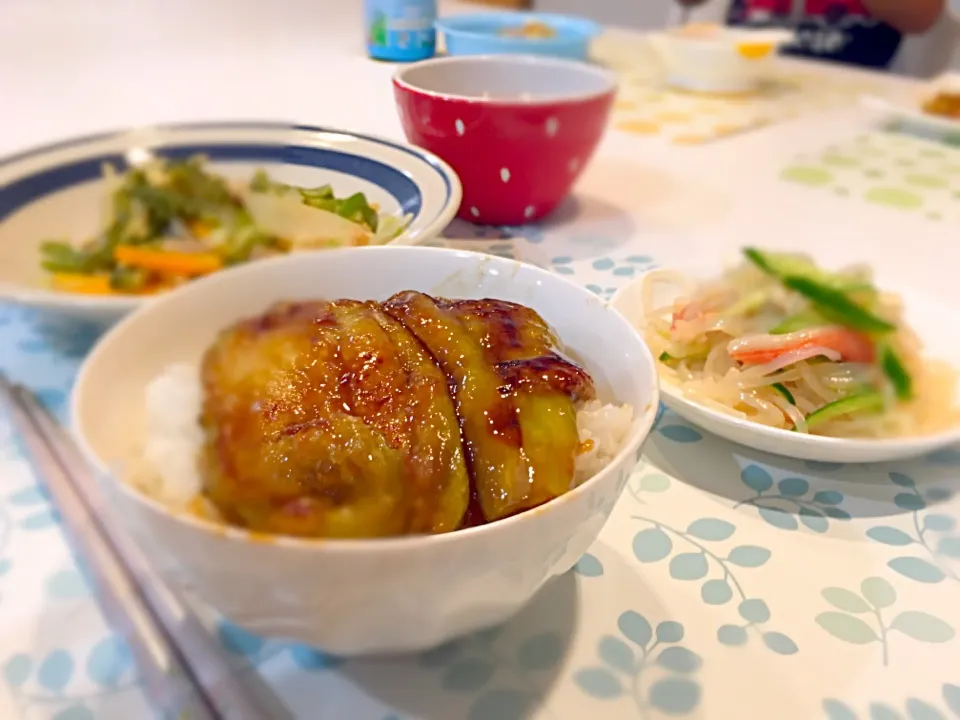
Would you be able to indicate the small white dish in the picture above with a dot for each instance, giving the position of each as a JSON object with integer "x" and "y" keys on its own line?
{"x": 56, "y": 191}
{"x": 907, "y": 107}
{"x": 928, "y": 317}
{"x": 353, "y": 597}
{"x": 714, "y": 59}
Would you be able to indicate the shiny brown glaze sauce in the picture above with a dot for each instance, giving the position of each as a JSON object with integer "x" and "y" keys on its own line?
{"x": 359, "y": 419}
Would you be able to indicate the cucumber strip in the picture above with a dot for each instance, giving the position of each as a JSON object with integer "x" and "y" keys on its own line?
{"x": 837, "y": 306}
{"x": 868, "y": 401}
{"x": 896, "y": 372}
{"x": 768, "y": 262}
{"x": 782, "y": 265}
{"x": 826, "y": 292}
{"x": 782, "y": 389}
{"x": 665, "y": 357}
{"x": 800, "y": 321}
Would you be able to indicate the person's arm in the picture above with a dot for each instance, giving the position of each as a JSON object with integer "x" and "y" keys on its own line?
{"x": 908, "y": 16}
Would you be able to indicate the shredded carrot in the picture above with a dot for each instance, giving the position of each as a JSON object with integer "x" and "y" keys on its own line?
{"x": 86, "y": 284}
{"x": 171, "y": 263}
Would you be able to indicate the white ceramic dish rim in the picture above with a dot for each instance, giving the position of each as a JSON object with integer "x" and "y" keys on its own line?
{"x": 39, "y": 296}
{"x": 602, "y": 74}
{"x": 912, "y": 113}
{"x": 859, "y": 447}
{"x": 643, "y": 421}
{"x": 730, "y": 38}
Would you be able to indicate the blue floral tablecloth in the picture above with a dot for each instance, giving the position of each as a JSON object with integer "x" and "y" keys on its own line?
{"x": 727, "y": 584}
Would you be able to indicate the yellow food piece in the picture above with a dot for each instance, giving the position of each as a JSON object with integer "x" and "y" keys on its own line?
{"x": 166, "y": 262}
{"x": 85, "y": 284}
{"x": 639, "y": 127}
{"x": 754, "y": 51}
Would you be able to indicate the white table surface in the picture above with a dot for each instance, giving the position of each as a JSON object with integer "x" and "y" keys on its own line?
{"x": 70, "y": 67}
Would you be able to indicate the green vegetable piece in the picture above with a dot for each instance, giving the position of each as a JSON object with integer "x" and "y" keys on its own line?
{"x": 60, "y": 257}
{"x": 762, "y": 260}
{"x": 867, "y": 401}
{"x": 665, "y": 357}
{"x": 261, "y": 182}
{"x": 836, "y": 305}
{"x": 128, "y": 279}
{"x": 782, "y": 389}
{"x": 781, "y": 265}
{"x": 800, "y": 321}
{"x": 242, "y": 242}
{"x": 829, "y": 297}
{"x": 357, "y": 209}
{"x": 896, "y": 371}
{"x": 324, "y": 192}
{"x": 329, "y": 204}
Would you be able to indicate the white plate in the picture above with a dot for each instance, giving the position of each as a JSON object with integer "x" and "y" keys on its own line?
{"x": 55, "y": 192}
{"x": 930, "y": 318}
{"x": 908, "y": 106}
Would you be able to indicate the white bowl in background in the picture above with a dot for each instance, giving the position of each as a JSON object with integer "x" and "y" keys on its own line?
{"x": 57, "y": 192}
{"x": 361, "y": 596}
{"x": 926, "y": 315}
{"x": 715, "y": 59}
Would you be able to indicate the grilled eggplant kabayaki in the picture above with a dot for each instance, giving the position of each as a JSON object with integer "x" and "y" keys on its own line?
{"x": 329, "y": 419}
{"x": 362, "y": 419}
{"x": 514, "y": 394}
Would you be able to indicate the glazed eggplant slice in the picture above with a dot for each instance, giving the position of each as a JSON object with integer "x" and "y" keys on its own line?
{"x": 514, "y": 393}
{"x": 328, "y": 419}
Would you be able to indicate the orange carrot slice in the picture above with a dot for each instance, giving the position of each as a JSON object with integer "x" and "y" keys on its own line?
{"x": 85, "y": 284}
{"x": 169, "y": 263}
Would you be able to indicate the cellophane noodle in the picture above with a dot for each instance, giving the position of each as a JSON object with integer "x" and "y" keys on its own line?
{"x": 697, "y": 329}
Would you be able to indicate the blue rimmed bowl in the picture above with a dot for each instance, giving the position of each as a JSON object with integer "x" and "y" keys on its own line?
{"x": 57, "y": 191}
{"x": 483, "y": 34}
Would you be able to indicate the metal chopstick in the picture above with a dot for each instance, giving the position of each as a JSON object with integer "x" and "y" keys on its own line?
{"x": 184, "y": 673}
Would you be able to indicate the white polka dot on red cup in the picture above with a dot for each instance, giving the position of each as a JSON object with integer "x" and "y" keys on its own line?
{"x": 474, "y": 212}
{"x": 505, "y": 174}
{"x": 461, "y": 128}
{"x": 528, "y": 212}
{"x": 553, "y": 125}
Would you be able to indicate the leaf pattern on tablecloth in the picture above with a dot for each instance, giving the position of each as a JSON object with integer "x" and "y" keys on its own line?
{"x": 638, "y": 651}
{"x": 932, "y": 533}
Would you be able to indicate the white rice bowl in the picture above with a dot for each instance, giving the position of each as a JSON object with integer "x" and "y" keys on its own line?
{"x": 170, "y": 474}
{"x": 348, "y": 597}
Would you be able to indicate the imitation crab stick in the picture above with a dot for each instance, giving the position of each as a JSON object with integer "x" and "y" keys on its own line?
{"x": 850, "y": 345}
{"x": 172, "y": 263}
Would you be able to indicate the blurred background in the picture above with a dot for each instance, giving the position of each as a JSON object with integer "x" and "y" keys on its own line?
{"x": 922, "y": 55}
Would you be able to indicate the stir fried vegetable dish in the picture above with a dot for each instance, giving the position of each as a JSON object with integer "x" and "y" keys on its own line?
{"x": 168, "y": 221}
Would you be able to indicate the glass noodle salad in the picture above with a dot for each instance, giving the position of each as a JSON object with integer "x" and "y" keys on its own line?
{"x": 168, "y": 221}
{"x": 781, "y": 342}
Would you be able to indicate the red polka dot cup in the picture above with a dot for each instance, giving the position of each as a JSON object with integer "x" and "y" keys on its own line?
{"x": 518, "y": 130}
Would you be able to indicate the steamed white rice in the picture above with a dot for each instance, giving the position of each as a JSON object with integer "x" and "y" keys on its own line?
{"x": 174, "y": 436}
{"x": 605, "y": 427}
